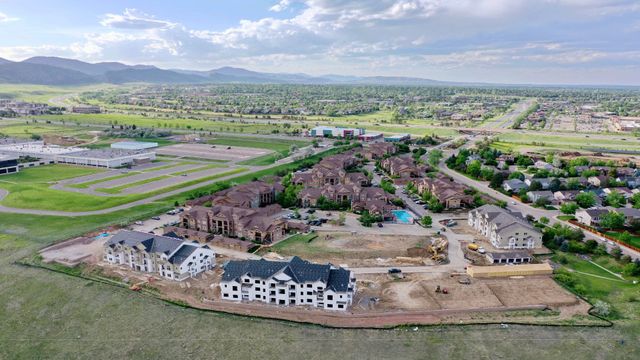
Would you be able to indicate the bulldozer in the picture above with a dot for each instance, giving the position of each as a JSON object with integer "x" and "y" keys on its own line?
{"x": 437, "y": 249}
{"x": 138, "y": 286}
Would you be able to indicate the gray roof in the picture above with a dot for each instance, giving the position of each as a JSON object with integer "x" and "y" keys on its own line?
{"x": 152, "y": 243}
{"x": 106, "y": 153}
{"x": 504, "y": 219}
{"x": 182, "y": 253}
{"x": 299, "y": 270}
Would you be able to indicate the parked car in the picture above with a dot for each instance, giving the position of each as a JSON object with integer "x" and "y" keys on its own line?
{"x": 395, "y": 271}
{"x": 156, "y": 218}
{"x": 138, "y": 222}
{"x": 380, "y": 225}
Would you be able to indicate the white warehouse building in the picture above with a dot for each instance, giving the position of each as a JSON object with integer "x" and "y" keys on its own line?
{"x": 108, "y": 158}
{"x": 296, "y": 282}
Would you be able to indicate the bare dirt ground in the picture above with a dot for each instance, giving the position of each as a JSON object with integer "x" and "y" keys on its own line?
{"x": 357, "y": 250}
{"x": 411, "y": 300}
{"x": 74, "y": 251}
{"x": 212, "y": 152}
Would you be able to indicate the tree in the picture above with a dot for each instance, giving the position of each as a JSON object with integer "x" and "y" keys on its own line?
{"x": 434, "y": 157}
{"x": 516, "y": 175}
{"x": 501, "y": 203}
{"x": 496, "y": 180}
{"x": 616, "y": 252}
{"x": 544, "y": 220}
{"x": 586, "y": 199}
{"x": 366, "y": 219}
{"x": 341, "y": 219}
{"x": 474, "y": 168}
{"x": 612, "y": 220}
{"x": 535, "y": 186}
{"x": 426, "y": 221}
{"x": 569, "y": 208}
{"x": 602, "y": 308}
{"x": 615, "y": 199}
{"x": 435, "y": 206}
{"x": 542, "y": 202}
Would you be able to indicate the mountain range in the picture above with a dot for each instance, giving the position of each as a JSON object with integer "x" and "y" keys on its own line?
{"x": 44, "y": 70}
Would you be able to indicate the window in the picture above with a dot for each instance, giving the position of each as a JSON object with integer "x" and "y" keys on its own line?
{"x": 329, "y": 297}
{"x": 235, "y": 296}
{"x": 281, "y": 291}
{"x": 340, "y": 306}
{"x": 235, "y": 288}
{"x": 330, "y": 306}
{"x": 257, "y": 282}
{"x": 309, "y": 293}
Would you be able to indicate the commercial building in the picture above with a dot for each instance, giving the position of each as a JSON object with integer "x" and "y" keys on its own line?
{"x": 170, "y": 257}
{"x": 371, "y": 137}
{"x": 108, "y": 158}
{"x": 510, "y": 257}
{"x": 339, "y": 132}
{"x": 296, "y": 282}
{"x": 134, "y": 145}
{"x": 8, "y": 164}
{"x": 397, "y": 138}
{"x": 86, "y": 109}
{"x": 505, "y": 230}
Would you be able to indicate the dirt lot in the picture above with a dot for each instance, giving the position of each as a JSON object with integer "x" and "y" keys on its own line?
{"x": 212, "y": 152}
{"x": 417, "y": 292}
{"x": 358, "y": 250}
{"x": 74, "y": 251}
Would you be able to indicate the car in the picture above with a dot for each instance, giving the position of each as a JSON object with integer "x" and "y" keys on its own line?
{"x": 184, "y": 175}
{"x": 380, "y": 225}
{"x": 311, "y": 211}
{"x": 611, "y": 243}
{"x": 138, "y": 223}
{"x": 155, "y": 218}
{"x": 481, "y": 250}
{"x": 323, "y": 220}
{"x": 394, "y": 271}
{"x": 513, "y": 203}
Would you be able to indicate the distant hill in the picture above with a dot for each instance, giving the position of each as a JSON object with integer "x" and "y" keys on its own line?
{"x": 151, "y": 75}
{"x": 25, "y": 73}
{"x": 49, "y": 70}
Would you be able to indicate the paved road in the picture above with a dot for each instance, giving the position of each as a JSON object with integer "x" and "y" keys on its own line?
{"x": 506, "y": 121}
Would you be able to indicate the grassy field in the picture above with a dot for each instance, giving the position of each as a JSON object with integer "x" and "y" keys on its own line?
{"x": 633, "y": 239}
{"x": 29, "y": 189}
{"x": 599, "y": 284}
{"x": 43, "y": 93}
{"x": 517, "y": 141}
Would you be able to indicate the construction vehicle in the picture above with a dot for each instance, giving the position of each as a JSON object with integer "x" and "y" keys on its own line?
{"x": 138, "y": 286}
{"x": 440, "y": 290}
{"x": 473, "y": 247}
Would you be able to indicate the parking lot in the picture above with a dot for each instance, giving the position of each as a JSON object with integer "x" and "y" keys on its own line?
{"x": 212, "y": 152}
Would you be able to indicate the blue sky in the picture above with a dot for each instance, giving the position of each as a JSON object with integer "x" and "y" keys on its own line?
{"x": 506, "y": 41}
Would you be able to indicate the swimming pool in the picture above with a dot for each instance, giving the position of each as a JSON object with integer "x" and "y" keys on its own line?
{"x": 402, "y": 216}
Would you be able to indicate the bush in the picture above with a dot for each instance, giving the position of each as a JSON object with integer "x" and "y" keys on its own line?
{"x": 601, "y": 308}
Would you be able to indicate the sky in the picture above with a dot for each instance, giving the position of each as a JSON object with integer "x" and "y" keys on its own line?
{"x": 495, "y": 41}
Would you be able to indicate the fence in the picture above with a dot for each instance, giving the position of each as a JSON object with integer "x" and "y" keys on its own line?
{"x": 594, "y": 231}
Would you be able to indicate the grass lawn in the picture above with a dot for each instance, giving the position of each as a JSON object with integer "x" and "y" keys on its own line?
{"x": 633, "y": 239}
{"x": 517, "y": 140}
{"x": 566, "y": 217}
{"x": 295, "y": 242}
{"x": 598, "y": 284}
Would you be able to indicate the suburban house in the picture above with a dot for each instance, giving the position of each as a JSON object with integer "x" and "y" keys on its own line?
{"x": 296, "y": 282}
{"x": 170, "y": 257}
{"x": 631, "y": 215}
{"x": 631, "y": 181}
{"x": 542, "y": 165}
{"x": 591, "y": 217}
{"x": 341, "y": 193}
{"x": 597, "y": 181}
{"x": 505, "y": 230}
{"x": 545, "y": 183}
{"x": 514, "y": 185}
{"x": 564, "y": 196}
{"x": 535, "y": 196}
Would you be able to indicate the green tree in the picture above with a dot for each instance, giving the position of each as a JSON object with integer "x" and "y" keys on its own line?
{"x": 544, "y": 220}
{"x": 615, "y": 199}
{"x": 434, "y": 157}
{"x": 426, "y": 221}
{"x": 586, "y": 199}
{"x": 612, "y": 220}
{"x": 569, "y": 208}
{"x": 474, "y": 168}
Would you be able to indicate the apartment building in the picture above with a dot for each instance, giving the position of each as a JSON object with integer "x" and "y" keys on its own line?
{"x": 170, "y": 257}
{"x": 505, "y": 230}
{"x": 292, "y": 283}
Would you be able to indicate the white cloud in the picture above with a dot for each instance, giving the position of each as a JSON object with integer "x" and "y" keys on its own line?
{"x": 133, "y": 19}
{"x": 280, "y": 6}
{"x": 6, "y": 18}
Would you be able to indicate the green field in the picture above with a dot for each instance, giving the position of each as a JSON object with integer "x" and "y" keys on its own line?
{"x": 634, "y": 240}
{"x": 516, "y": 141}
{"x": 29, "y": 189}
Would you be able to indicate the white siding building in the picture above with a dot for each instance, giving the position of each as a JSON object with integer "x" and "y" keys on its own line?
{"x": 296, "y": 282}
{"x": 504, "y": 229}
{"x": 169, "y": 257}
